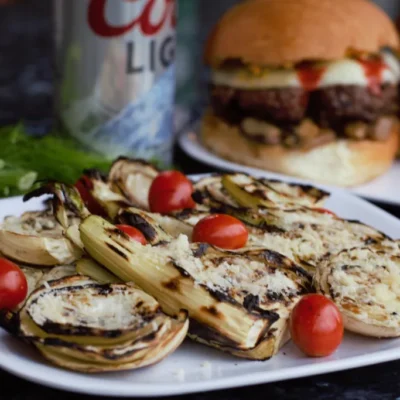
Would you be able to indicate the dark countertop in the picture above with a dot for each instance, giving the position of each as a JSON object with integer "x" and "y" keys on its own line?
{"x": 378, "y": 382}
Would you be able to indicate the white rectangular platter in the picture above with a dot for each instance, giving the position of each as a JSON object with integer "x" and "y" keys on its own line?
{"x": 196, "y": 368}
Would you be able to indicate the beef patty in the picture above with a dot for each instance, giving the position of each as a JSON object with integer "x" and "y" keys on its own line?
{"x": 328, "y": 107}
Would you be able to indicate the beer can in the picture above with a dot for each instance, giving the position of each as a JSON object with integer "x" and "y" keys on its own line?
{"x": 116, "y": 60}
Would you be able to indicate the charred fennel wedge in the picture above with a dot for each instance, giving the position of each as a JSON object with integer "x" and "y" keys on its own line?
{"x": 304, "y": 234}
{"x": 308, "y": 244}
{"x": 133, "y": 179}
{"x": 36, "y": 276}
{"x": 110, "y": 198}
{"x": 58, "y": 272}
{"x": 88, "y": 267}
{"x": 33, "y": 277}
{"x": 192, "y": 216}
{"x": 284, "y": 218}
{"x": 365, "y": 285}
{"x": 386, "y": 247}
{"x": 210, "y": 192}
{"x": 36, "y": 238}
{"x": 237, "y": 301}
{"x": 155, "y": 227}
{"x": 85, "y": 326}
{"x": 251, "y": 192}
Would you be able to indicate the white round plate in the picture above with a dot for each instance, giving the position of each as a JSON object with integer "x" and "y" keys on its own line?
{"x": 386, "y": 188}
{"x": 196, "y": 368}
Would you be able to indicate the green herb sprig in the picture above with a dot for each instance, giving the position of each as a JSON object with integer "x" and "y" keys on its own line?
{"x": 25, "y": 159}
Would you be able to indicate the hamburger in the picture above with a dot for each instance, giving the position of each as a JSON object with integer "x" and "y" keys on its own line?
{"x": 307, "y": 88}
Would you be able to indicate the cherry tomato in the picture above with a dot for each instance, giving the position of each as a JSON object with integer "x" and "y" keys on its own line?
{"x": 13, "y": 285}
{"x": 84, "y": 186}
{"x": 316, "y": 325}
{"x": 222, "y": 231}
{"x": 324, "y": 211}
{"x": 170, "y": 191}
{"x": 133, "y": 233}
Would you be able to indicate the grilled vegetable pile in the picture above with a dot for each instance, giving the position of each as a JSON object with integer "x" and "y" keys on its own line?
{"x": 225, "y": 260}
{"x": 233, "y": 299}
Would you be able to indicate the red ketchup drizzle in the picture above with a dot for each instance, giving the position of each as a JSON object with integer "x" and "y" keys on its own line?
{"x": 310, "y": 76}
{"x": 373, "y": 69}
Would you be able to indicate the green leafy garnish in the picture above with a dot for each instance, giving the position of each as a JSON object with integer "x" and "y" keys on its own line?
{"x": 25, "y": 159}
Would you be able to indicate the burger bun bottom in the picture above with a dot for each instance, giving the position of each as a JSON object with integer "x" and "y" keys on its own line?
{"x": 341, "y": 163}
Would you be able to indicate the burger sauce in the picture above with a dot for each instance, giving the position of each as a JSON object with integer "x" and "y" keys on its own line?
{"x": 373, "y": 70}
{"x": 310, "y": 76}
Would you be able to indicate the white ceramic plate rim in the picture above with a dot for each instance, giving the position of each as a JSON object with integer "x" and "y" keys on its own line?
{"x": 23, "y": 365}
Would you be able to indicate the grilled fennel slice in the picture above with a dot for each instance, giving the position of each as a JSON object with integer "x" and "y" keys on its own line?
{"x": 33, "y": 277}
{"x": 365, "y": 285}
{"x": 88, "y": 267}
{"x": 82, "y": 325}
{"x": 305, "y": 235}
{"x": 133, "y": 179}
{"x": 108, "y": 196}
{"x": 36, "y": 276}
{"x": 155, "y": 227}
{"x": 241, "y": 190}
{"x": 58, "y": 272}
{"x": 237, "y": 301}
{"x": 252, "y": 192}
{"x": 210, "y": 192}
{"x": 36, "y": 238}
{"x": 191, "y": 216}
{"x": 310, "y": 243}
{"x": 283, "y": 218}
{"x": 387, "y": 247}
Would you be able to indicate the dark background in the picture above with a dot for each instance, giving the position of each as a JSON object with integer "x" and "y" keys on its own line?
{"x": 28, "y": 75}
{"x": 371, "y": 383}
{"x": 26, "y": 63}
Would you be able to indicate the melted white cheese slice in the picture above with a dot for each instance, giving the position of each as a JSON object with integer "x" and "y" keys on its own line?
{"x": 341, "y": 72}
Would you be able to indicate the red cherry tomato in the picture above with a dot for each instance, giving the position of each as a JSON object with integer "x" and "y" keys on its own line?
{"x": 13, "y": 285}
{"x": 324, "y": 211}
{"x": 84, "y": 186}
{"x": 316, "y": 325}
{"x": 170, "y": 191}
{"x": 133, "y": 233}
{"x": 222, "y": 231}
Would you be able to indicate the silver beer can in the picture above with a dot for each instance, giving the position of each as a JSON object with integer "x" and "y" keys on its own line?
{"x": 116, "y": 60}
